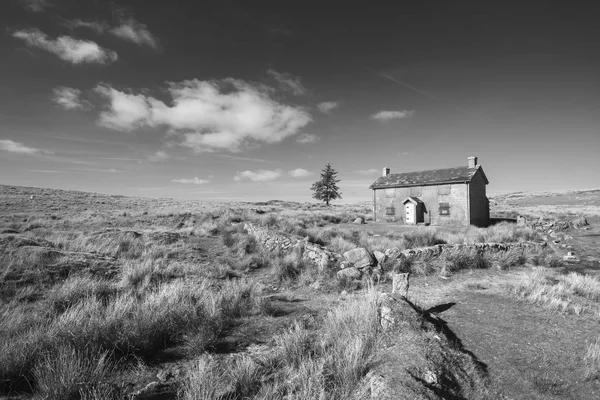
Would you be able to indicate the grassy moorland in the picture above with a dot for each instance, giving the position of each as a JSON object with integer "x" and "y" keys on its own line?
{"x": 110, "y": 297}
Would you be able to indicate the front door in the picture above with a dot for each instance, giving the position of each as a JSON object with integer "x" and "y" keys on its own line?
{"x": 409, "y": 213}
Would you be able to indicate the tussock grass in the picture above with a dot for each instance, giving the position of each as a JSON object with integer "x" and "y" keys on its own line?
{"x": 78, "y": 288}
{"x": 570, "y": 293}
{"x": 95, "y": 319}
{"x": 421, "y": 238}
{"x": 591, "y": 360}
{"x": 66, "y": 373}
{"x": 304, "y": 364}
{"x": 503, "y": 232}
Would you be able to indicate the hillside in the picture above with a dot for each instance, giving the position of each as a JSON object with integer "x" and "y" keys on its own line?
{"x": 113, "y": 297}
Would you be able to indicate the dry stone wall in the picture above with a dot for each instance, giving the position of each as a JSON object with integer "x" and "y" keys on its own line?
{"x": 273, "y": 241}
{"x": 353, "y": 264}
{"x": 436, "y": 251}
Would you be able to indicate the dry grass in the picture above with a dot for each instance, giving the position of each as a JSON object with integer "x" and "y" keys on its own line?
{"x": 304, "y": 364}
{"x": 570, "y": 293}
{"x": 592, "y": 360}
{"x": 95, "y": 319}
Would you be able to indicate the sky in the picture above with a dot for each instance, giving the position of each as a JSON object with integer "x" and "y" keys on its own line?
{"x": 249, "y": 100}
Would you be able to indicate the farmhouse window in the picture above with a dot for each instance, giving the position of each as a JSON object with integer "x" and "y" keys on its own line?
{"x": 390, "y": 211}
{"x": 444, "y": 208}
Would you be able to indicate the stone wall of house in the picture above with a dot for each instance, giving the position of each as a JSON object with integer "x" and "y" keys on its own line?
{"x": 431, "y": 196}
{"x": 479, "y": 207}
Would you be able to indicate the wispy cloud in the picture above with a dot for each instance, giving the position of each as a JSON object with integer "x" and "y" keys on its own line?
{"x": 69, "y": 98}
{"x": 326, "y": 106}
{"x": 371, "y": 171}
{"x": 16, "y": 147}
{"x": 135, "y": 32}
{"x": 385, "y": 116}
{"x": 195, "y": 181}
{"x": 67, "y": 48}
{"x": 208, "y": 116}
{"x": 160, "y": 155}
{"x": 288, "y": 82}
{"x": 128, "y": 29}
{"x": 256, "y": 160}
{"x": 96, "y": 26}
{"x": 299, "y": 173}
{"x": 35, "y": 5}
{"x": 262, "y": 175}
{"x": 307, "y": 138}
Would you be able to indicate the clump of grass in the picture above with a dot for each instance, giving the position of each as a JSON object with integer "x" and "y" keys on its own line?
{"x": 205, "y": 381}
{"x": 76, "y": 289}
{"x": 462, "y": 258}
{"x": 128, "y": 324}
{"x": 149, "y": 272}
{"x": 67, "y": 373}
{"x": 571, "y": 293}
{"x": 592, "y": 360}
{"x": 421, "y": 238}
{"x": 288, "y": 267}
{"x": 328, "y": 363}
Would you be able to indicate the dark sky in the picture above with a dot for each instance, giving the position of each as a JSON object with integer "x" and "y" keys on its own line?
{"x": 221, "y": 99}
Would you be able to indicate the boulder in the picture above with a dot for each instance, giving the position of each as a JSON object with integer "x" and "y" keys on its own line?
{"x": 380, "y": 257}
{"x": 360, "y": 258}
{"x": 358, "y": 221}
{"x": 349, "y": 273}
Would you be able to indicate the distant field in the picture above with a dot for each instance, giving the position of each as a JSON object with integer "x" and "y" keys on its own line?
{"x": 571, "y": 202}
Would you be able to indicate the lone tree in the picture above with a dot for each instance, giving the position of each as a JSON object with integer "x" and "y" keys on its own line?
{"x": 326, "y": 189}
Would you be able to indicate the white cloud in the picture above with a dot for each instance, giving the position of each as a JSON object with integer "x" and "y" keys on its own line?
{"x": 207, "y": 115}
{"x": 386, "y": 116}
{"x": 194, "y": 181}
{"x": 160, "y": 155}
{"x": 288, "y": 82}
{"x": 135, "y": 32}
{"x": 16, "y": 147}
{"x": 66, "y": 48}
{"x": 69, "y": 98}
{"x": 126, "y": 111}
{"x": 35, "y": 5}
{"x": 299, "y": 173}
{"x": 326, "y": 106}
{"x": 371, "y": 171}
{"x": 307, "y": 138}
{"x": 262, "y": 175}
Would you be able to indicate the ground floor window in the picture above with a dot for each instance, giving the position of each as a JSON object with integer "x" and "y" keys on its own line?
{"x": 444, "y": 208}
{"x": 390, "y": 211}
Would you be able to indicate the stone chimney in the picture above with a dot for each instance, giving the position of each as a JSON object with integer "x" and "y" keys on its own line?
{"x": 472, "y": 162}
{"x": 386, "y": 171}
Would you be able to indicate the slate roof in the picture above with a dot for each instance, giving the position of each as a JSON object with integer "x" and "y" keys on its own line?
{"x": 426, "y": 178}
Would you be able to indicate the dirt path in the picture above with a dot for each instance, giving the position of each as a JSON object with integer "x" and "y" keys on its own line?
{"x": 530, "y": 352}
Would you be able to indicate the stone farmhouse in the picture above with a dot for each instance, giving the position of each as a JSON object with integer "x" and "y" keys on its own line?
{"x": 450, "y": 196}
